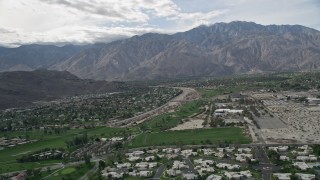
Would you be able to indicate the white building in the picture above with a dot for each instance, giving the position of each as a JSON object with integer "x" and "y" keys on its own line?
{"x": 123, "y": 165}
{"x": 113, "y": 175}
{"x": 306, "y": 176}
{"x": 214, "y": 177}
{"x": 179, "y": 165}
{"x": 282, "y": 176}
{"x": 149, "y": 158}
{"x": 228, "y": 166}
{"x": 173, "y": 172}
{"x": 284, "y": 158}
{"x": 145, "y": 173}
{"x": 189, "y": 176}
{"x": 301, "y": 165}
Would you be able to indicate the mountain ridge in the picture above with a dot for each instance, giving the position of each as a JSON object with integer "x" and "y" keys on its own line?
{"x": 218, "y": 49}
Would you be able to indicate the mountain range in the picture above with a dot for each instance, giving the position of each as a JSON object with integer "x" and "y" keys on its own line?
{"x": 34, "y": 56}
{"x": 219, "y": 49}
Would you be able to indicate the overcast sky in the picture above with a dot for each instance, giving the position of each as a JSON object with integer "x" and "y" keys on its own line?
{"x": 88, "y": 21}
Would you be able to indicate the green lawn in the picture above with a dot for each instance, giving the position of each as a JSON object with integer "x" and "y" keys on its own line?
{"x": 200, "y": 136}
{"x": 208, "y": 93}
{"x": 170, "y": 120}
{"x": 74, "y": 172}
{"x": 8, "y": 156}
{"x": 68, "y": 170}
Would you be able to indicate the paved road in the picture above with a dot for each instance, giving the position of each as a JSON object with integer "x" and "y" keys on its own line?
{"x": 191, "y": 166}
{"x": 265, "y": 165}
{"x": 93, "y": 170}
{"x": 160, "y": 171}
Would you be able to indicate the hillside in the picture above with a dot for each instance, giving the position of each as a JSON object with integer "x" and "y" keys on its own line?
{"x": 31, "y": 57}
{"x": 21, "y": 88}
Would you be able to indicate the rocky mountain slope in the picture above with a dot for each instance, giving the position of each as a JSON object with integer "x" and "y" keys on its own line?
{"x": 223, "y": 48}
{"x": 22, "y": 88}
{"x": 219, "y": 49}
{"x": 31, "y": 57}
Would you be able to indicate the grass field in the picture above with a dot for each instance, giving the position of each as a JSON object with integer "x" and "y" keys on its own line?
{"x": 200, "y": 136}
{"x": 8, "y": 156}
{"x": 170, "y": 120}
{"x": 68, "y": 170}
{"x": 74, "y": 172}
{"x": 208, "y": 93}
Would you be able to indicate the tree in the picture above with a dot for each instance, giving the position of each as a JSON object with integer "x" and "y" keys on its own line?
{"x": 102, "y": 164}
{"x": 29, "y": 172}
{"x": 87, "y": 159}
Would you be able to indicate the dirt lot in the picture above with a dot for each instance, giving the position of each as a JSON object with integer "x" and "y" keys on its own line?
{"x": 300, "y": 123}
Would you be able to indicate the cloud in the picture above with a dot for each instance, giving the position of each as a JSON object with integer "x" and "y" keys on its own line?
{"x": 72, "y": 34}
{"x": 89, "y": 21}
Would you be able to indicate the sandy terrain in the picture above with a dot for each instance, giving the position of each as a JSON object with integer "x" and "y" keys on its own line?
{"x": 190, "y": 124}
{"x": 303, "y": 124}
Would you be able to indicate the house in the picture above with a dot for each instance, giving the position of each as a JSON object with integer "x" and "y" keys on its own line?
{"x": 307, "y": 158}
{"x": 312, "y": 157}
{"x": 244, "y": 150}
{"x": 137, "y": 153}
{"x": 243, "y": 157}
{"x": 171, "y": 150}
{"x": 133, "y": 173}
{"x": 145, "y": 173}
{"x": 203, "y": 163}
{"x": 282, "y": 176}
{"x": 188, "y": 152}
{"x": 246, "y": 174}
{"x": 149, "y": 158}
{"x": 232, "y": 175}
{"x": 173, "y": 172}
{"x": 113, "y": 174}
{"x": 301, "y": 165}
{"x": 134, "y": 158}
{"x": 273, "y": 148}
{"x": 214, "y": 177}
{"x": 142, "y": 165}
{"x": 205, "y": 170}
{"x": 179, "y": 165}
{"x": 124, "y": 165}
{"x": 221, "y": 112}
{"x": 284, "y": 158}
{"x": 306, "y": 176}
{"x": 220, "y": 149}
{"x": 229, "y": 149}
{"x": 207, "y": 152}
{"x": 114, "y": 139}
{"x": 152, "y": 165}
{"x": 171, "y": 156}
{"x": 219, "y": 154}
{"x": 305, "y": 147}
{"x": 227, "y": 166}
{"x": 283, "y": 148}
{"x": 238, "y": 175}
{"x": 189, "y": 176}
{"x": 235, "y": 111}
